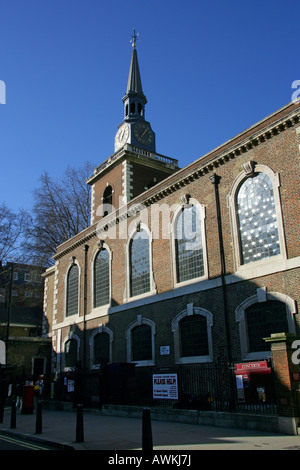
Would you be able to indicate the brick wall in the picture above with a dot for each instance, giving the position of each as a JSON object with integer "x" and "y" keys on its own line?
{"x": 277, "y": 150}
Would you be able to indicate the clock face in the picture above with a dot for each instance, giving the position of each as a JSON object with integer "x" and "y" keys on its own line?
{"x": 143, "y": 133}
{"x": 122, "y": 136}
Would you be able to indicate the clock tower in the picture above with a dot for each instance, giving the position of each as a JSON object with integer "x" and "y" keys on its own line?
{"x": 134, "y": 166}
{"x": 134, "y": 129}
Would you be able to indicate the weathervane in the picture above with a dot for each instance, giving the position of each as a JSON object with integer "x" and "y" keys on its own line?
{"x": 134, "y": 38}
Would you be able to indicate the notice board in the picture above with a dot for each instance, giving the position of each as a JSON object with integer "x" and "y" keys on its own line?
{"x": 165, "y": 386}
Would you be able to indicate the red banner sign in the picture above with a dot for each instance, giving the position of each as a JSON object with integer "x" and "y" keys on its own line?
{"x": 258, "y": 367}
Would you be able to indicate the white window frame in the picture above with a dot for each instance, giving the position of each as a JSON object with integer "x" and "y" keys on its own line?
{"x": 71, "y": 318}
{"x": 101, "y": 329}
{"x": 77, "y": 339}
{"x": 191, "y": 310}
{"x": 255, "y": 268}
{"x": 240, "y": 317}
{"x": 152, "y": 290}
{"x": 141, "y": 321}
{"x": 176, "y": 214}
{"x": 102, "y": 309}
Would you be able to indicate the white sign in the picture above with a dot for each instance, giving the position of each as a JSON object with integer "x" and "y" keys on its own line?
{"x": 2, "y": 353}
{"x": 70, "y": 385}
{"x": 164, "y": 350}
{"x": 240, "y": 388}
{"x": 165, "y": 386}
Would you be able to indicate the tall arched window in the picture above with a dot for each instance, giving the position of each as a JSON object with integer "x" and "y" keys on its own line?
{"x": 101, "y": 279}
{"x": 72, "y": 291}
{"x": 139, "y": 263}
{"x": 257, "y": 219}
{"x": 189, "y": 244}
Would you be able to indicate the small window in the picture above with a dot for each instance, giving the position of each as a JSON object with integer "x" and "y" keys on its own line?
{"x": 107, "y": 201}
{"x": 72, "y": 291}
{"x": 132, "y": 108}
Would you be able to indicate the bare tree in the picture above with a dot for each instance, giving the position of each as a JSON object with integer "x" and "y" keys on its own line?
{"x": 61, "y": 210}
{"x": 13, "y": 233}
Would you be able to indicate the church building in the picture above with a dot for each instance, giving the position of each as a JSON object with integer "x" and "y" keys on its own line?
{"x": 180, "y": 268}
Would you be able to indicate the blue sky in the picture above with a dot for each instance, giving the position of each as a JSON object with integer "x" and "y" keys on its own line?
{"x": 209, "y": 70}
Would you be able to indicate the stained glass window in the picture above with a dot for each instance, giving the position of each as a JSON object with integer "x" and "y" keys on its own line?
{"x": 139, "y": 264}
{"x": 257, "y": 219}
{"x": 101, "y": 279}
{"x": 189, "y": 247}
{"x": 72, "y": 291}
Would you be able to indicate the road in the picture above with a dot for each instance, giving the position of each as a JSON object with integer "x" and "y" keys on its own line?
{"x": 10, "y": 442}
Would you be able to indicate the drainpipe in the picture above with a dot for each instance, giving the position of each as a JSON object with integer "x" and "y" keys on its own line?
{"x": 85, "y": 248}
{"x": 215, "y": 180}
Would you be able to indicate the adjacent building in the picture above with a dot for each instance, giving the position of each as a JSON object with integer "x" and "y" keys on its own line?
{"x": 23, "y": 351}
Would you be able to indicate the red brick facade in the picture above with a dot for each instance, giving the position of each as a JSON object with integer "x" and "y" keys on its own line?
{"x": 273, "y": 147}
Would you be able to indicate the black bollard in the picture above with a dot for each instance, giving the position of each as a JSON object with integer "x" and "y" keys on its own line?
{"x": 13, "y": 414}
{"x": 38, "y": 419}
{"x": 146, "y": 431}
{"x": 79, "y": 424}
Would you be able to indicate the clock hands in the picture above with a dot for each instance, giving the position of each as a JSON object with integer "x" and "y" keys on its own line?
{"x": 121, "y": 134}
{"x": 145, "y": 131}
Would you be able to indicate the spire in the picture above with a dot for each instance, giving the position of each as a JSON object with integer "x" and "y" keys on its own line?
{"x": 134, "y": 129}
{"x": 134, "y": 78}
{"x": 134, "y": 84}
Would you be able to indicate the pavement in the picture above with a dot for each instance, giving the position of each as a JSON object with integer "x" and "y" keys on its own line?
{"x": 111, "y": 433}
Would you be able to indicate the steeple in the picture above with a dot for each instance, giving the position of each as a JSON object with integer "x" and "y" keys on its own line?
{"x": 134, "y": 129}
{"x": 134, "y": 84}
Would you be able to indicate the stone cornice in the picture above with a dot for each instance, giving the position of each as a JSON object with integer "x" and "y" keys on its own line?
{"x": 150, "y": 158}
{"x": 217, "y": 157}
